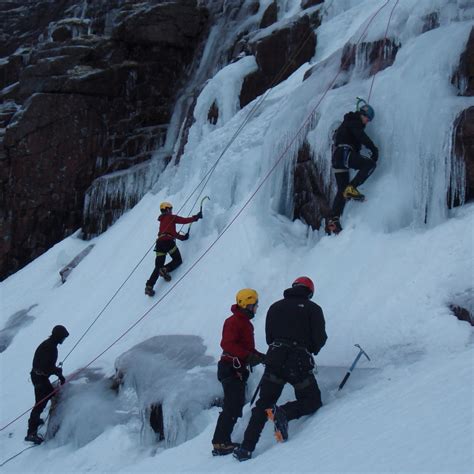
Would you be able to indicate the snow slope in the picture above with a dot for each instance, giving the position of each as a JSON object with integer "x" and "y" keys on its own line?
{"x": 384, "y": 283}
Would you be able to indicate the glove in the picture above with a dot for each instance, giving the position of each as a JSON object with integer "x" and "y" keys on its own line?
{"x": 255, "y": 358}
{"x": 375, "y": 155}
{"x": 185, "y": 236}
{"x": 59, "y": 372}
{"x": 198, "y": 215}
{"x": 62, "y": 379}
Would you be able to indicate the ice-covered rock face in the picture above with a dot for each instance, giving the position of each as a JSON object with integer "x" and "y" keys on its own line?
{"x": 174, "y": 373}
{"x": 99, "y": 88}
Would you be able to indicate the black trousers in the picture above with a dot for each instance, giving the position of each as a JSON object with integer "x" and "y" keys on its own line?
{"x": 162, "y": 248}
{"x": 233, "y": 383}
{"x": 43, "y": 393}
{"x": 294, "y": 368}
{"x": 354, "y": 160}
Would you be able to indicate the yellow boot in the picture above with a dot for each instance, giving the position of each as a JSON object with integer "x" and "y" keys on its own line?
{"x": 351, "y": 192}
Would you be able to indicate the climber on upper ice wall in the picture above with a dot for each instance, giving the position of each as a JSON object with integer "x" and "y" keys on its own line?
{"x": 166, "y": 244}
{"x": 348, "y": 141}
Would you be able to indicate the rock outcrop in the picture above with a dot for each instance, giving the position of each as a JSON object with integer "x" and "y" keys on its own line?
{"x": 311, "y": 204}
{"x": 464, "y": 151}
{"x": 463, "y": 129}
{"x": 463, "y": 78}
{"x": 372, "y": 57}
{"x": 362, "y": 60}
{"x": 278, "y": 55}
{"x": 310, "y": 3}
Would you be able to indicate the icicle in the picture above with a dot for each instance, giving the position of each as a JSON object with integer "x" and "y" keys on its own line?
{"x": 111, "y": 195}
{"x": 456, "y": 169}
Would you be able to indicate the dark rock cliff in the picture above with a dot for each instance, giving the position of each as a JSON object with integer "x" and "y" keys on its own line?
{"x": 87, "y": 89}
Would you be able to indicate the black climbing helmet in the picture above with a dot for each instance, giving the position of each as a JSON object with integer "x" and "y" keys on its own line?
{"x": 59, "y": 333}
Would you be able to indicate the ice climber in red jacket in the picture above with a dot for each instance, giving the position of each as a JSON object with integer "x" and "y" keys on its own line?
{"x": 166, "y": 244}
{"x": 238, "y": 354}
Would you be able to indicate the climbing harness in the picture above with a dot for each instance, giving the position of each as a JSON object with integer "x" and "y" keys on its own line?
{"x": 235, "y": 360}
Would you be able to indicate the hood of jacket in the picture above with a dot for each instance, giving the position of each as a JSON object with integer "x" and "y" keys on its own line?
{"x": 297, "y": 292}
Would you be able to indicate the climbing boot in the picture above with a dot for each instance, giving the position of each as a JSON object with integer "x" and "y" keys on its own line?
{"x": 164, "y": 273}
{"x": 351, "y": 192}
{"x": 333, "y": 226}
{"x": 149, "y": 290}
{"x": 34, "y": 438}
{"x": 222, "y": 449}
{"x": 280, "y": 422}
{"x": 242, "y": 454}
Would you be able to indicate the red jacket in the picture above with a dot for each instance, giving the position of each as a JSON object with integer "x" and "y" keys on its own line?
{"x": 237, "y": 336}
{"x": 168, "y": 226}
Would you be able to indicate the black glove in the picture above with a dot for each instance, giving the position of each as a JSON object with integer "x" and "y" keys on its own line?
{"x": 375, "y": 155}
{"x": 198, "y": 215}
{"x": 185, "y": 236}
{"x": 62, "y": 379}
{"x": 255, "y": 358}
{"x": 59, "y": 371}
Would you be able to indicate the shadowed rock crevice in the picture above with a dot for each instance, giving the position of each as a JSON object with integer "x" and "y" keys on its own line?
{"x": 461, "y": 187}
{"x": 462, "y": 306}
{"x": 463, "y": 78}
{"x": 462, "y": 314}
{"x": 311, "y": 203}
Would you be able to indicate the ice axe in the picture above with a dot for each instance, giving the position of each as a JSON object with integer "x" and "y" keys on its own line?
{"x": 348, "y": 374}
{"x": 200, "y": 210}
{"x": 256, "y": 391}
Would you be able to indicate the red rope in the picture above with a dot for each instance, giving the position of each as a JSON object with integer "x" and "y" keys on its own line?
{"x": 276, "y": 163}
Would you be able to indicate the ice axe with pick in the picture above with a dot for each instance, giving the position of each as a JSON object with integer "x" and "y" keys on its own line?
{"x": 348, "y": 374}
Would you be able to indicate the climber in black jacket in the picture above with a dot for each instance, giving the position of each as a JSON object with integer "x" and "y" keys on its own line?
{"x": 44, "y": 365}
{"x": 295, "y": 329}
{"x": 348, "y": 141}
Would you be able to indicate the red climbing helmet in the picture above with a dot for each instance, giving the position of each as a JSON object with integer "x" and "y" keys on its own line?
{"x": 306, "y": 282}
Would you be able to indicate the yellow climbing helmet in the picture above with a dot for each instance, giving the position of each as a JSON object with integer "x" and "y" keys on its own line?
{"x": 165, "y": 205}
{"x": 246, "y": 297}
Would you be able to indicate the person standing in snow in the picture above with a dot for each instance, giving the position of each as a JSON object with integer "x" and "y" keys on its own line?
{"x": 44, "y": 365}
{"x": 238, "y": 355}
{"x": 294, "y": 329}
{"x": 166, "y": 244}
{"x": 348, "y": 140}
